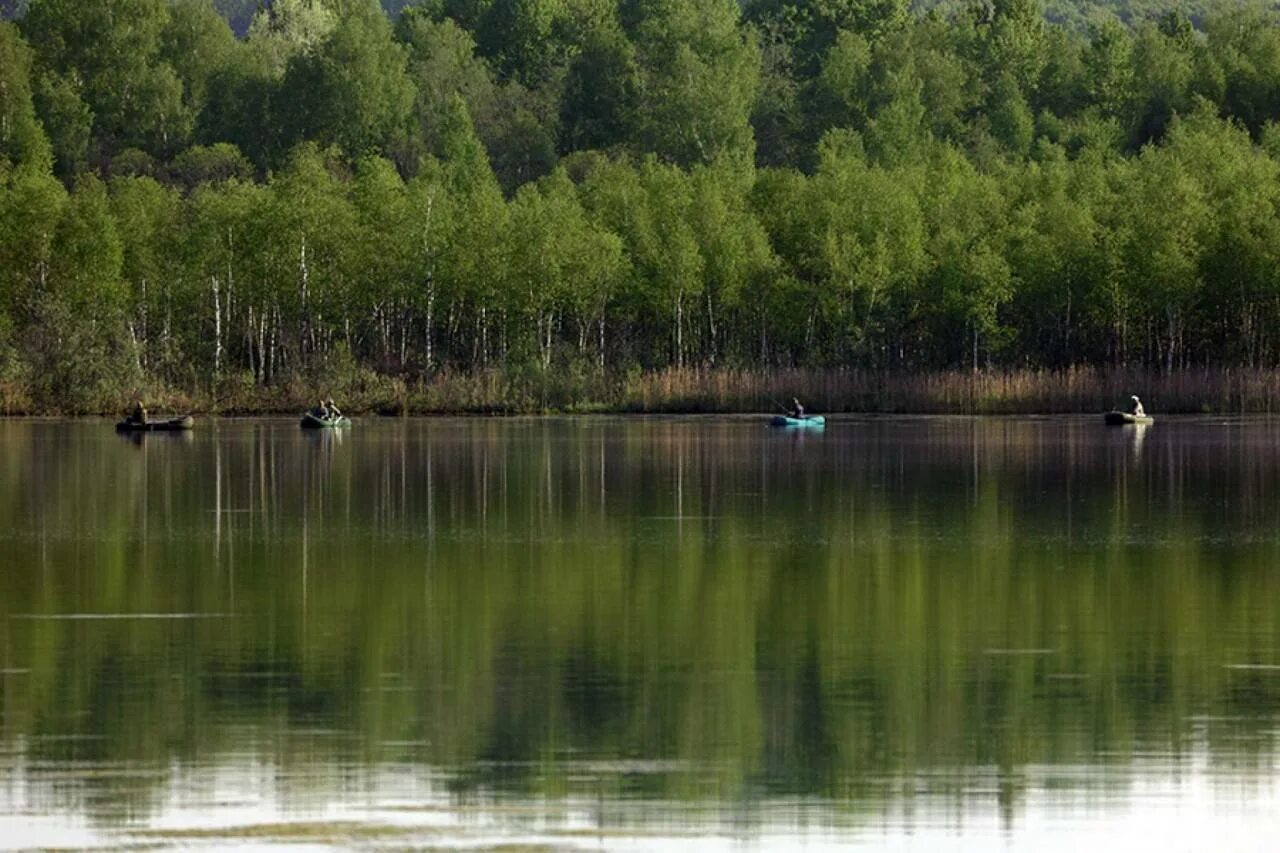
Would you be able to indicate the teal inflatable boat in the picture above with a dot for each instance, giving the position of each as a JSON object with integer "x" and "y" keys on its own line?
{"x": 807, "y": 422}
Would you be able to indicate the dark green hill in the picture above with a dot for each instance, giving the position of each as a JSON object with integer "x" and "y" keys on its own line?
{"x": 1080, "y": 13}
{"x": 237, "y": 12}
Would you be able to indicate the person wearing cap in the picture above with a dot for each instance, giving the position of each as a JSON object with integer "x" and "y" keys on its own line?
{"x": 334, "y": 412}
{"x": 1135, "y": 407}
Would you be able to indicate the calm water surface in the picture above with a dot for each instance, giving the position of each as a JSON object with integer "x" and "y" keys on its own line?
{"x": 923, "y": 634}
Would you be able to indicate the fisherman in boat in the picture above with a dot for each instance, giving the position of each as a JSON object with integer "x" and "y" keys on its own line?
{"x": 333, "y": 410}
{"x": 139, "y": 414}
{"x": 1135, "y": 407}
{"x": 797, "y": 410}
{"x": 321, "y": 411}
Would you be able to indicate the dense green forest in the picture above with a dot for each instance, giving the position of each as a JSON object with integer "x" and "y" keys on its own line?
{"x": 590, "y": 187}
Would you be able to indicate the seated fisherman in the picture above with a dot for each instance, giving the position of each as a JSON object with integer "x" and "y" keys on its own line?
{"x": 1135, "y": 407}
{"x": 797, "y": 410}
{"x": 139, "y": 414}
{"x": 333, "y": 410}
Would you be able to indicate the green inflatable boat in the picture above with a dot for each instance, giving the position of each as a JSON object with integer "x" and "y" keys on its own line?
{"x": 310, "y": 421}
{"x": 170, "y": 425}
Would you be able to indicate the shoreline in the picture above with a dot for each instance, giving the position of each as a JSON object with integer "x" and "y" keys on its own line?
{"x": 702, "y": 391}
{"x": 758, "y": 418}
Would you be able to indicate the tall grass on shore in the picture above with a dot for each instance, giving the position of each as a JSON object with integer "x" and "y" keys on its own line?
{"x": 1076, "y": 390}
{"x": 703, "y": 390}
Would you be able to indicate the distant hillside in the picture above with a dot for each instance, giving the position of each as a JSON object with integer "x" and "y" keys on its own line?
{"x": 1080, "y": 14}
{"x": 238, "y": 12}
{"x": 1075, "y": 13}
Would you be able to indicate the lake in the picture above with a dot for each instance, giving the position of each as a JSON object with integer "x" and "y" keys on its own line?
{"x": 612, "y": 633}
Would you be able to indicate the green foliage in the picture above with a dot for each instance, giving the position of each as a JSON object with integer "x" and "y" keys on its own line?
{"x": 109, "y": 54}
{"x": 77, "y": 342}
{"x": 84, "y": 270}
{"x": 289, "y": 28}
{"x": 442, "y": 64}
{"x": 148, "y": 219}
{"x": 351, "y": 90}
{"x": 201, "y": 164}
{"x": 600, "y": 187}
{"x": 198, "y": 44}
{"x": 601, "y": 89}
{"x": 514, "y": 123}
{"x": 31, "y": 203}
{"x": 814, "y": 26}
{"x": 563, "y": 266}
{"x": 22, "y": 140}
{"x": 526, "y": 39}
{"x": 698, "y": 74}
{"x": 67, "y": 119}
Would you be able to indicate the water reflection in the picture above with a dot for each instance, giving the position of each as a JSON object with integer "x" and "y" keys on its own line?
{"x": 642, "y": 627}
{"x": 1137, "y": 434}
{"x": 140, "y": 439}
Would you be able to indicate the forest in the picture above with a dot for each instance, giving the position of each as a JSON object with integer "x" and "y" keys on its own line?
{"x": 237, "y": 203}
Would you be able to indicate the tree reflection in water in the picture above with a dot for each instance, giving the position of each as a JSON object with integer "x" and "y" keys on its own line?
{"x": 888, "y": 617}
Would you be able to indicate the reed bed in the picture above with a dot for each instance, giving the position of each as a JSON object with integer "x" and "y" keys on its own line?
{"x": 1076, "y": 390}
{"x": 725, "y": 390}
{"x": 719, "y": 390}
{"x": 14, "y": 398}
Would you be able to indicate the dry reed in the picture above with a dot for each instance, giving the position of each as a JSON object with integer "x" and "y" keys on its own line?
{"x": 722, "y": 390}
{"x": 1083, "y": 389}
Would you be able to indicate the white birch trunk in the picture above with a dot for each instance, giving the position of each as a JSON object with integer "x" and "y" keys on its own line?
{"x": 217, "y": 325}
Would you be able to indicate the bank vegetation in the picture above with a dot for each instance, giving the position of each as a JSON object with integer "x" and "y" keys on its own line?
{"x": 667, "y": 206}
